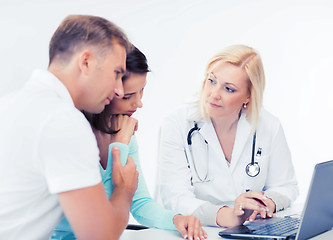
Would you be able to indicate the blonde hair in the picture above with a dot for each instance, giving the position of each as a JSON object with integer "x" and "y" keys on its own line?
{"x": 247, "y": 58}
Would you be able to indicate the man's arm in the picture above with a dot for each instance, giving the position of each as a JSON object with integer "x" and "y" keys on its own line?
{"x": 91, "y": 214}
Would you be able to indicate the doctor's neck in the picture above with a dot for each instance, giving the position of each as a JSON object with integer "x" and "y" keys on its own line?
{"x": 225, "y": 123}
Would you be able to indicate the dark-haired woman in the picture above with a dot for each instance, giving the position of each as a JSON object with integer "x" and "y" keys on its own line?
{"x": 115, "y": 126}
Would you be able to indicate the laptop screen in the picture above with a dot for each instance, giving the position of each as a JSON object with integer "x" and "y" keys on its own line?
{"x": 317, "y": 216}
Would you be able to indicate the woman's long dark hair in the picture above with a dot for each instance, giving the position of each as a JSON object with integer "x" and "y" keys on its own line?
{"x": 136, "y": 62}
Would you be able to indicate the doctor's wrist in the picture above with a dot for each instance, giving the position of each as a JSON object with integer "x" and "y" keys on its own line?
{"x": 226, "y": 218}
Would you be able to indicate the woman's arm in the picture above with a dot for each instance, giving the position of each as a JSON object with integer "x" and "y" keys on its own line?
{"x": 150, "y": 213}
{"x": 245, "y": 204}
{"x": 144, "y": 209}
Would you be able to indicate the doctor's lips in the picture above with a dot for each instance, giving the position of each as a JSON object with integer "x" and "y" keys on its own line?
{"x": 214, "y": 105}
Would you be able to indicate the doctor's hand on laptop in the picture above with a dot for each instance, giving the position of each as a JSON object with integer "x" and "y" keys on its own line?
{"x": 248, "y": 204}
{"x": 264, "y": 214}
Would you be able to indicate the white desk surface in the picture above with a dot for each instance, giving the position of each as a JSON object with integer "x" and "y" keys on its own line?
{"x": 212, "y": 232}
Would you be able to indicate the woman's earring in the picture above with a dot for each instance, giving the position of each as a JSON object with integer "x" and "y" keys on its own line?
{"x": 245, "y": 105}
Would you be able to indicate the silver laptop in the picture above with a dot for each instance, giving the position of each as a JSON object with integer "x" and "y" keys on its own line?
{"x": 316, "y": 218}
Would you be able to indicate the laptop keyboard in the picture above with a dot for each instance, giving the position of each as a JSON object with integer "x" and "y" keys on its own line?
{"x": 281, "y": 226}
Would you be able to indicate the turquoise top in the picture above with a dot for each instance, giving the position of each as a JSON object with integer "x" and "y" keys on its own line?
{"x": 144, "y": 209}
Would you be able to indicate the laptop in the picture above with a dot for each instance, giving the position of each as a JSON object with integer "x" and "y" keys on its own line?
{"x": 316, "y": 218}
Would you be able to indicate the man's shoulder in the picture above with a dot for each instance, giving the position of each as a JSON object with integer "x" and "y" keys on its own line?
{"x": 66, "y": 117}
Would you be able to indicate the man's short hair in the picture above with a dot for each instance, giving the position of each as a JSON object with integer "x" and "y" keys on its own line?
{"x": 79, "y": 31}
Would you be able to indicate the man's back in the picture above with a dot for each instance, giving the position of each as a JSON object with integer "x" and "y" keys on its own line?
{"x": 47, "y": 147}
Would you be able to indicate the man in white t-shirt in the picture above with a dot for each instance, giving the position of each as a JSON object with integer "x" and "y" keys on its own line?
{"x": 48, "y": 152}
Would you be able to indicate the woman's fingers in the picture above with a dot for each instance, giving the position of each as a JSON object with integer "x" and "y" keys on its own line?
{"x": 261, "y": 214}
{"x": 126, "y": 127}
{"x": 257, "y": 195}
{"x": 249, "y": 204}
{"x": 248, "y": 201}
{"x": 189, "y": 227}
{"x": 253, "y": 216}
{"x": 253, "y": 204}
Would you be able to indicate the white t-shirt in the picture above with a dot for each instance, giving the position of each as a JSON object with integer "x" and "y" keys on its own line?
{"x": 46, "y": 147}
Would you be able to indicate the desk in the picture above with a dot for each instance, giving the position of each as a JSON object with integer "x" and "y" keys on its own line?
{"x": 152, "y": 234}
{"x": 212, "y": 232}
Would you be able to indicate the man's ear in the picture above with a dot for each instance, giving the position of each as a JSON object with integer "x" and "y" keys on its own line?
{"x": 85, "y": 61}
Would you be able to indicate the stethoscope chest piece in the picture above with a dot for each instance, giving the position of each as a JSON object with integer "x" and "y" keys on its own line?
{"x": 252, "y": 169}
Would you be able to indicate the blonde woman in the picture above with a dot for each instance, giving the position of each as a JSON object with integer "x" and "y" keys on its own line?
{"x": 225, "y": 159}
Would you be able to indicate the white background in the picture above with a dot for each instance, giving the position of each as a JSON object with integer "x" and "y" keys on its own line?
{"x": 178, "y": 37}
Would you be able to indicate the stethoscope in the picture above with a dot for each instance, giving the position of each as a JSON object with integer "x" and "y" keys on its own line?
{"x": 189, "y": 142}
{"x": 252, "y": 169}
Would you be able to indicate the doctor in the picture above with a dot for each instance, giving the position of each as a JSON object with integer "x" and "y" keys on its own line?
{"x": 225, "y": 159}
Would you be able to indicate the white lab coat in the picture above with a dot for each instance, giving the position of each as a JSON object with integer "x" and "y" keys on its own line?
{"x": 181, "y": 194}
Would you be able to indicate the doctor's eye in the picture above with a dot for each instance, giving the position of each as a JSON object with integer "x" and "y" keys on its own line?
{"x": 230, "y": 90}
{"x": 211, "y": 81}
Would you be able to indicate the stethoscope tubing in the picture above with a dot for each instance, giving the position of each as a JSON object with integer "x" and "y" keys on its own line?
{"x": 189, "y": 142}
{"x": 253, "y": 146}
{"x": 252, "y": 169}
